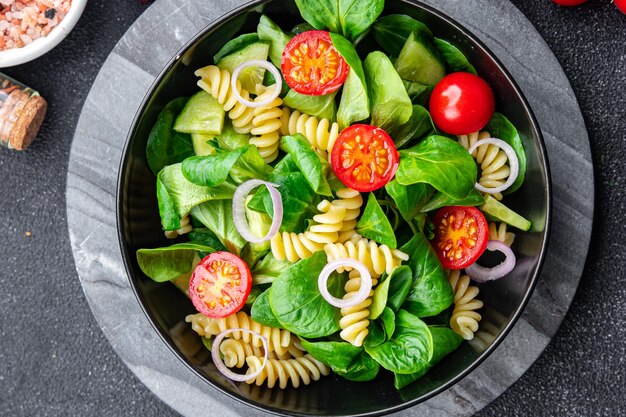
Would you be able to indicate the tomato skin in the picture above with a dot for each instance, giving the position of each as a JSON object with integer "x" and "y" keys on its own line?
{"x": 224, "y": 273}
{"x": 352, "y": 161}
{"x": 462, "y": 103}
{"x": 569, "y": 2}
{"x": 311, "y": 65}
{"x": 453, "y": 236}
{"x": 621, "y": 5}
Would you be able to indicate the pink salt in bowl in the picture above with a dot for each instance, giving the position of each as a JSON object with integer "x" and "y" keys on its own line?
{"x": 40, "y": 46}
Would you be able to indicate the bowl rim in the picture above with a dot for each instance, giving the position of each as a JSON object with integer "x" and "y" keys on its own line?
{"x": 17, "y": 56}
{"x": 541, "y": 154}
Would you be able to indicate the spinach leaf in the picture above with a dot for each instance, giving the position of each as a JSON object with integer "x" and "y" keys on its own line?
{"x": 440, "y": 162}
{"x": 309, "y": 162}
{"x": 409, "y": 198}
{"x": 419, "y": 125}
{"x": 444, "y": 342}
{"x": 354, "y": 104}
{"x": 297, "y": 303}
{"x": 388, "y": 320}
{"x": 261, "y": 312}
{"x": 205, "y": 237}
{"x": 345, "y": 360}
{"x": 270, "y": 32}
{"x": 164, "y": 264}
{"x": 347, "y": 17}
{"x": 500, "y": 127}
{"x": 299, "y": 200}
{"x": 375, "y": 225}
{"x": 267, "y": 269}
{"x": 409, "y": 350}
{"x": 210, "y": 170}
{"x": 249, "y": 166}
{"x": 318, "y": 106}
{"x": 473, "y": 198}
{"x": 418, "y": 93}
{"x": 231, "y": 140}
{"x": 391, "y": 106}
{"x": 217, "y": 216}
{"x": 301, "y": 27}
{"x": 177, "y": 196}
{"x": 392, "y": 31}
{"x": 375, "y": 334}
{"x": 254, "y": 294}
{"x": 165, "y": 145}
{"x": 235, "y": 45}
{"x": 455, "y": 60}
{"x": 399, "y": 287}
{"x": 430, "y": 291}
{"x": 379, "y": 300}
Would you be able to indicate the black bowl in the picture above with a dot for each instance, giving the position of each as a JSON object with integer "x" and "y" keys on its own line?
{"x": 166, "y": 307}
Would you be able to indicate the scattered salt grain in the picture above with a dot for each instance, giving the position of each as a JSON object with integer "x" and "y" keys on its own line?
{"x": 23, "y": 21}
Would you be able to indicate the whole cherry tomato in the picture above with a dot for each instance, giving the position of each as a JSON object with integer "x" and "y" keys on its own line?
{"x": 461, "y": 103}
{"x": 311, "y": 65}
{"x": 569, "y": 2}
{"x": 220, "y": 285}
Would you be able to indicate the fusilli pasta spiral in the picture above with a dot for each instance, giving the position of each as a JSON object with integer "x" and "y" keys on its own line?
{"x": 304, "y": 368}
{"x": 236, "y": 351}
{"x": 492, "y": 160}
{"x": 354, "y": 321}
{"x": 267, "y": 124}
{"x": 320, "y": 132}
{"x": 376, "y": 258}
{"x": 185, "y": 227}
{"x": 335, "y": 223}
{"x": 499, "y": 232}
{"x": 278, "y": 340}
{"x": 465, "y": 318}
{"x": 217, "y": 83}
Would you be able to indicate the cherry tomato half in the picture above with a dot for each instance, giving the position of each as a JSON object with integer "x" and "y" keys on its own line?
{"x": 364, "y": 157}
{"x": 569, "y": 2}
{"x": 461, "y": 103}
{"x": 311, "y": 65}
{"x": 220, "y": 284}
{"x": 461, "y": 236}
{"x": 621, "y": 4}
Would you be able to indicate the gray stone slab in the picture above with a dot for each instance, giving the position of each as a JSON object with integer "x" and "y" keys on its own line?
{"x": 95, "y": 156}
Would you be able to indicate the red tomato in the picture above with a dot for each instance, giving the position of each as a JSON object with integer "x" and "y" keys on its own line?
{"x": 311, "y": 65}
{"x": 461, "y": 236}
{"x": 220, "y": 284}
{"x": 621, "y": 4}
{"x": 569, "y": 2}
{"x": 461, "y": 103}
{"x": 364, "y": 157}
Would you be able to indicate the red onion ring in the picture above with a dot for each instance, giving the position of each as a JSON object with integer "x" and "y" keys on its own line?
{"x": 513, "y": 163}
{"x": 239, "y": 210}
{"x": 219, "y": 364}
{"x": 482, "y": 274}
{"x": 364, "y": 289}
{"x": 256, "y": 63}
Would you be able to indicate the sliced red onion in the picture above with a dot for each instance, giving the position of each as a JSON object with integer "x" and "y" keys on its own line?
{"x": 482, "y": 274}
{"x": 239, "y": 210}
{"x": 364, "y": 289}
{"x": 219, "y": 364}
{"x": 513, "y": 163}
{"x": 256, "y": 63}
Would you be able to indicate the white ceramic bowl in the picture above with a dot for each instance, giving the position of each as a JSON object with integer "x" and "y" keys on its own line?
{"x": 40, "y": 46}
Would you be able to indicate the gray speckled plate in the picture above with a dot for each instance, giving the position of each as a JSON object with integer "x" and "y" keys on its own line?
{"x": 97, "y": 150}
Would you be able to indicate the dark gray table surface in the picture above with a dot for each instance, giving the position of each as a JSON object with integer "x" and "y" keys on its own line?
{"x": 55, "y": 361}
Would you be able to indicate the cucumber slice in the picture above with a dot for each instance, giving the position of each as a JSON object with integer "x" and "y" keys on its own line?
{"x": 202, "y": 114}
{"x": 250, "y": 76}
{"x": 201, "y": 145}
{"x": 500, "y": 212}
{"x": 419, "y": 61}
